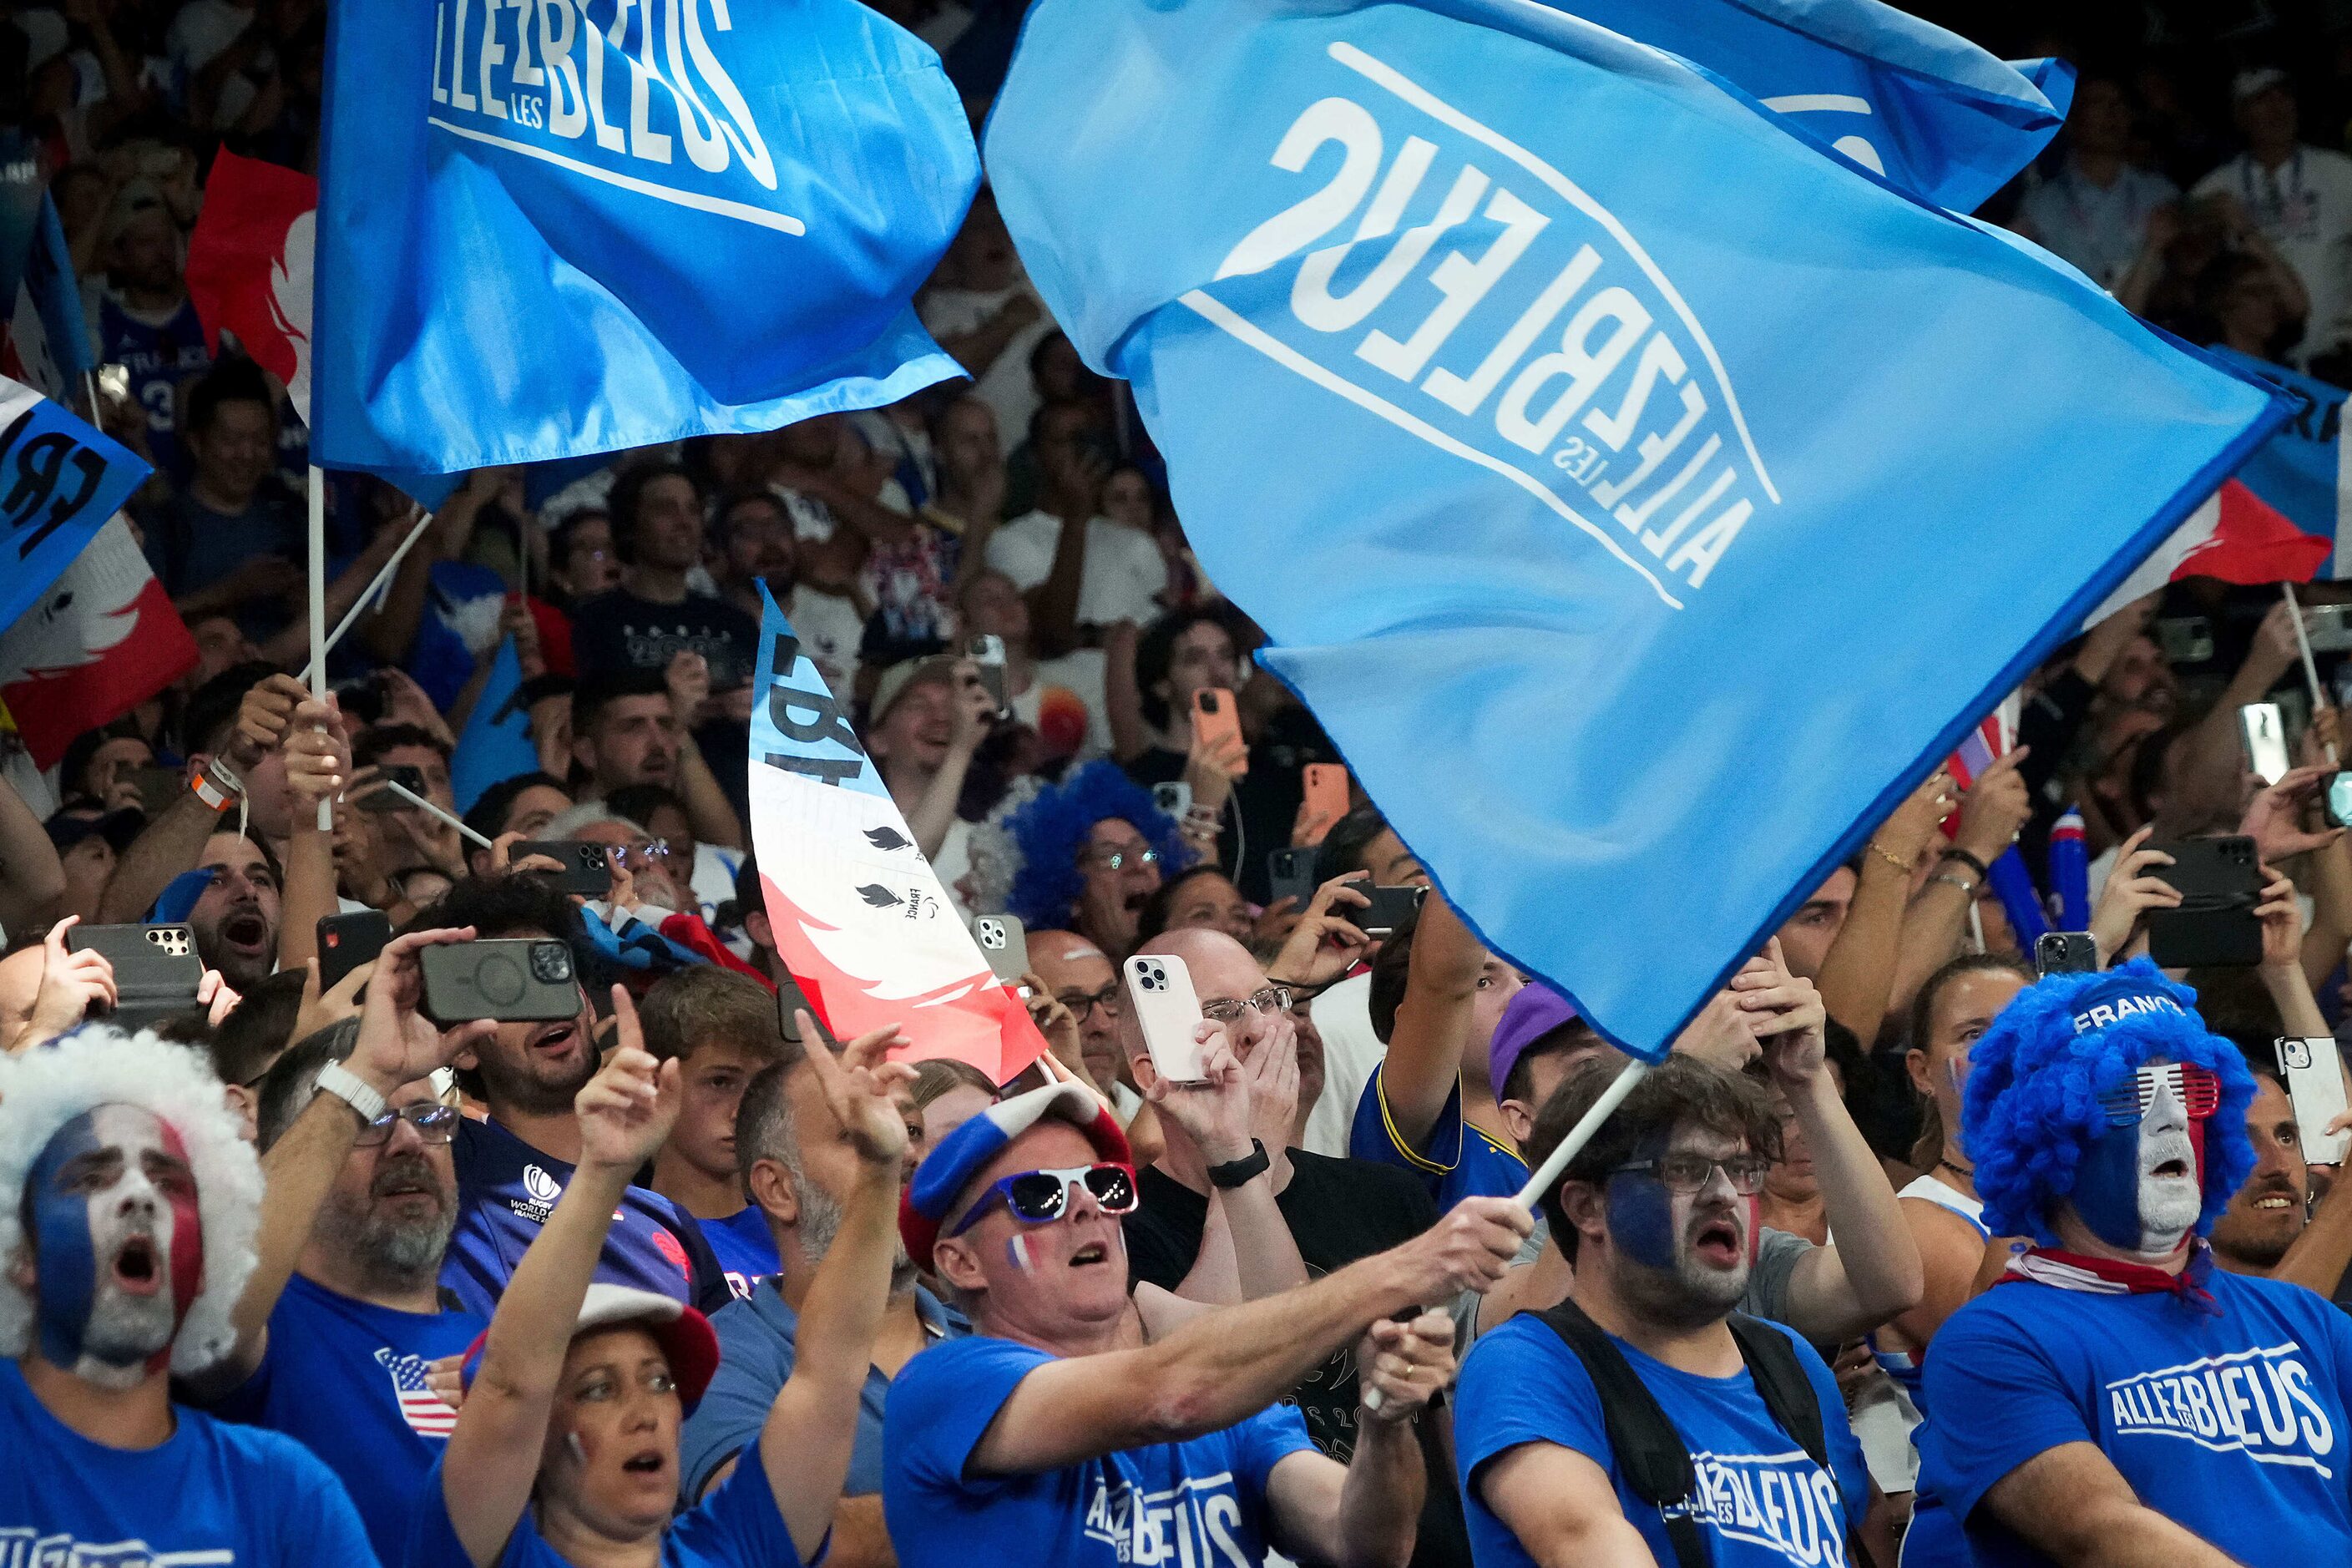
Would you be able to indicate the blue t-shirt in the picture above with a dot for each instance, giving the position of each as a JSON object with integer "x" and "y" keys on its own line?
{"x": 1761, "y": 1502}
{"x": 1201, "y": 1503}
{"x": 757, "y": 1351}
{"x": 505, "y": 1190}
{"x": 1456, "y": 1160}
{"x": 210, "y": 1493}
{"x": 2233, "y": 1426}
{"x": 347, "y": 1380}
{"x": 745, "y": 1251}
{"x": 737, "y": 1526}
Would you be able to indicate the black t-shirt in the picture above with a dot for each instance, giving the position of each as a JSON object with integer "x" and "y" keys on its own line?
{"x": 1338, "y": 1211}
{"x": 620, "y": 631}
{"x": 1266, "y": 797}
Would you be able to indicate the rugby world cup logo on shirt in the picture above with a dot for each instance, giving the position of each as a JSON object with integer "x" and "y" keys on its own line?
{"x": 539, "y": 1192}
{"x": 2257, "y": 1403}
{"x": 634, "y": 93}
{"x": 1454, "y": 284}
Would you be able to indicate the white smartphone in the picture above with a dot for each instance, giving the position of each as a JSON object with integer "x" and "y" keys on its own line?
{"x": 1167, "y": 1010}
{"x": 1174, "y": 798}
{"x": 2264, "y": 732}
{"x": 2315, "y": 1085}
{"x": 1005, "y": 944}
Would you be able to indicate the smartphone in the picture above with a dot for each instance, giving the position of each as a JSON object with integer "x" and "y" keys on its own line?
{"x": 2264, "y": 734}
{"x": 2065, "y": 952}
{"x": 1290, "y": 873}
{"x": 986, "y": 650}
{"x": 2220, "y": 882}
{"x": 1327, "y": 794}
{"x": 2315, "y": 1085}
{"x": 2338, "y": 800}
{"x": 159, "y": 788}
{"x": 379, "y": 798}
{"x": 1005, "y": 944}
{"x": 1390, "y": 908}
{"x": 1174, "y": 798}
{"x": 2185, "y": 639}
{"x": 791, "y": 1000}
{"x": 346, "y": 942}
{"x": 587, "y": 867}
{"x": 1215, "y": 717}
{"x": 520, "y": 979}
{"x": 2329, "y": 627}
{"x": 1159, "y": 991}
{"x": 156, "y": 970}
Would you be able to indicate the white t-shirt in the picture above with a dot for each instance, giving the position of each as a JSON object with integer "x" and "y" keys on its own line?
{"x": 2305, "y": 208}
{"x": 1125, "y": 572}
{"x": 1079, "y": 673}
{"x": 2099, "y": 230}
{"x": 1351, "y": 1054}
{"x": 830, "y": 630}
{"x": 1005, "y": 385}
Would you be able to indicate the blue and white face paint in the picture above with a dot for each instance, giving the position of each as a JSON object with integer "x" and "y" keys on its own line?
{"x": 2140, "y": 1183}
{"x": 1702, "y": 1239}
{"x": 119, "y": 1247}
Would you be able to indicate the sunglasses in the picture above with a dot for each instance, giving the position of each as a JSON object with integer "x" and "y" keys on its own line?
{"x": 434, "y": 1124}
{"x": 1039, "y": 1197}
{"x": 2197, "y": 1090}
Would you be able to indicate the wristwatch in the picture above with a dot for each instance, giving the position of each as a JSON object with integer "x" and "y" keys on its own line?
{"x": 1242, "y": 1172}
{"x": 347, "y": 1086}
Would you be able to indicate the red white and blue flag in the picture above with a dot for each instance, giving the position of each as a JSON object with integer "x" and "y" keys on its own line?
{"x": 427, "y": 1414}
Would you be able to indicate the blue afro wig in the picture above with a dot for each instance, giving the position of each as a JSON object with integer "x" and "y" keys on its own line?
{"x": 2035, "y": 1077}
{"x": 1052, "y": 829}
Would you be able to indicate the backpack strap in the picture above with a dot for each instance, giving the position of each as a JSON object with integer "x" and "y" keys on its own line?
{"x": 1790, "y": 1395}
{"x": 1652, "y": 1455}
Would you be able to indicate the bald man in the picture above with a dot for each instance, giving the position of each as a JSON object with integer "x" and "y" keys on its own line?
{"x": 1082, "y": 978}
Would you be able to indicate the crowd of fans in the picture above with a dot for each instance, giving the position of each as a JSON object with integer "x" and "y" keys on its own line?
{"x": 309, "y": 1277}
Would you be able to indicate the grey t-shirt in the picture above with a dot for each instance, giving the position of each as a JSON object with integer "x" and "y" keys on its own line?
{"x": 1777, "y": 1253}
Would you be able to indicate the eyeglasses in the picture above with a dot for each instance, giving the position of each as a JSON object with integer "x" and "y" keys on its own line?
{"x": 2197, "y": 1090}
{"x": 1118, "y": 860}
{"x": 643, "y": 857}
{"x": 434, "y": 1124}
{"x": 1038, "y": 1197}
{"x": 1225, "y": 1010}
{"x": 1691, "y": 1172}
{"x": 1081, "y": 1003}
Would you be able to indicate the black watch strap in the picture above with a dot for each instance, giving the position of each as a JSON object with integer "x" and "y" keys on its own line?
{"x": 1242, "y": 1172}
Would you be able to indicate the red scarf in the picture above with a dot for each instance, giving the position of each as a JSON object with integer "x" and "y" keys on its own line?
{"x": 2109, "y": 1277}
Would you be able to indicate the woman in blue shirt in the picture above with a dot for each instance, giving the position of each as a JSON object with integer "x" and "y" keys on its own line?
{"x": 566, "y": 1449}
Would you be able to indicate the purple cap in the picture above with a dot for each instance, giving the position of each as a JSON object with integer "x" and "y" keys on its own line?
{"x": 1531, "y": 1014}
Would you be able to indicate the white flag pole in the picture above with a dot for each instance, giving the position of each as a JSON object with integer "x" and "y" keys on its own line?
{"x": 383, "y": 575}
{"x": 317, "y": 488}
{"x": 2302, "y": 646}
{"x": 1548, "y": 1175}
{"x": 414, "y": 799}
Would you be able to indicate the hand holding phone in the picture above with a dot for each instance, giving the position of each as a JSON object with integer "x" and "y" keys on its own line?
{"x": 2066, "y": 952}
{"x": 2220, "y": 883}
{"x": 2263, "y": 733}
{"x": 156, "y": 971}
{"x": 1167, "y": 1011}
{"x": 1217, "y": 726}
{"x": 346, "y": 942}
{"x": 527, "y": 980}
{"x": 587, "y": 866}
{"x": 986, "y": 652}
{"x": 1004, "y": 942}
{"x": 2314, "y": 1072}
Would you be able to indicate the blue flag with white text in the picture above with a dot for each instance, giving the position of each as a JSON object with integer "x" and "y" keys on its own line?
{"x": 59, "y": 481}
{"x": 1926, "y": 108}
{"x": 579, "y": 226}
{"x": 1642, "y": 502}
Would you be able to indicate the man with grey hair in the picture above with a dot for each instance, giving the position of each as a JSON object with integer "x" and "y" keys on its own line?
{"x": 343, "y": 1322}
{"x": 128, "y": 1206}
{"x": 798, "y": 1167}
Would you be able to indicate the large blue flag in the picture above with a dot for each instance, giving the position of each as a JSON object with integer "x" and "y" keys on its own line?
{"x": 578, "y": 226}
{"x": 59, "y": 481}
{"x": 1643, "y": 501}
{"x": 1902, "y": 97}
{"x": 495, "y": 744}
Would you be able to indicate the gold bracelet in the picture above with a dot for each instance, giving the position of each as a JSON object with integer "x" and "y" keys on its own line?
{"x": 1905, "y": 867}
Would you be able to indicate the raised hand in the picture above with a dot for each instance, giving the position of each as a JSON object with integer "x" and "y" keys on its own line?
{"x": 2273, "y": 819}
{"x": 397, "y": 1043}
{"x": 1323, "y": 944}
{"x": 264, "y": 717}
{"x": 627, "y": 1110}
{"x": 1403, "y": 1365}
{"x": 1906, "y": 835}
{"x": 1995, "y": 807}
{"x": 2132, "y": 889}
{"x": 2280, "y": 913}
{"x": 972, "y": 712}
{"x": 1470, "y": 1249}
{"x": 71, "y": 983}
{"x": 1214, "y": 1113}
{"x": 1787, "y": 1011}
{"x": 318, "y": 761}
{"x": 1724, "y": 1033}
{"x": 688, "y": 681}
{"x": 857, "y": 1090}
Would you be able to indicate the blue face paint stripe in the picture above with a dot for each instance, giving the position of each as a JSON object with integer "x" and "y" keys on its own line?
{"x": 1641, "y": 1219}
{"x": 2106, "y": 1188}
{"x": 65, "y": 1252}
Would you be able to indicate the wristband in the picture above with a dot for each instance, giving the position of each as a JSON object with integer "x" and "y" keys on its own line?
{"x": 1962, "y": 883}
{"x": 1964, "y": 859}
{"x": 345, "y": 1085}
{"x": 1240, "y": 1172}
{"x": 218, "y": 787}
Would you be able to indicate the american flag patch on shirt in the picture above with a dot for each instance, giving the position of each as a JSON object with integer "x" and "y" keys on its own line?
{"x": 426, "y": 1413}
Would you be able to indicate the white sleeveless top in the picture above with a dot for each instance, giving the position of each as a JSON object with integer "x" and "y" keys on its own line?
{"x": 1943, "y": 1195}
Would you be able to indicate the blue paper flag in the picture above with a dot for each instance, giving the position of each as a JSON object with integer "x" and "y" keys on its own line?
{"x": 495, "y": 744}
{"x": 579, "y": 226}
{"x": 1644, "y": 502}
{"x": 59, "y": 481}
{"x": 1903, "y": 98}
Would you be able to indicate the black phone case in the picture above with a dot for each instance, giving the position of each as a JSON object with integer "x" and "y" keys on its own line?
{"x": 346, "y": 942}
{"x": 469, "y": 980}
{"x": 2220, "y": 882}
{"x": 1390, "y": 911}
{"x": 1290, "y": 873}
{"x": 409, "y": 778}
{"x": 154, "y": 976}
{"x": 585, "y": 869}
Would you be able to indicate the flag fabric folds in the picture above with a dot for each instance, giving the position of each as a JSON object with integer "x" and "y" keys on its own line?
{"x": 59, "y": 481}
{"x": 102, "y": 639}
{"x": 586, "y": 225}
{"x": 1903, "y": 98}
{"x": 496, "y": 743}
{"x": 47, "y": 340}
{"x": 1633, "y": 494}
{"x": 859, "y": 916}
{"x": 250, "y": 266}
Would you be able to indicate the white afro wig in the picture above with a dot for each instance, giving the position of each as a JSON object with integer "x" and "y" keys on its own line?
{"x": 48, "y": 1087}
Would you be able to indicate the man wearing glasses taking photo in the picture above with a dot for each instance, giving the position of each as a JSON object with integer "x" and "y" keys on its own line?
{"x": 342, "y": 1322}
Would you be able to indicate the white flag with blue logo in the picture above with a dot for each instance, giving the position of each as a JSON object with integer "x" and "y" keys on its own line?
{"x": 1642, "y": 501}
